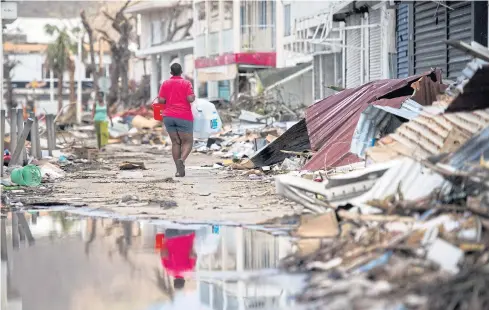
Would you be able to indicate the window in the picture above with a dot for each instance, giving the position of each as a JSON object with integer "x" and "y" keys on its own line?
{"x": 263, "y": 14}
{"x": 163, "y": 31}
{"x": 272, "y": 9}
{"x": 224, "y": 89}
{"x": 203, "y": 90}
{"x": 274, "y": 34}
{"x": 242, "y": 18}
{"x": 88, "y": 72}
{"x": 287, "y": 23}
{"x": 155, "y": 32}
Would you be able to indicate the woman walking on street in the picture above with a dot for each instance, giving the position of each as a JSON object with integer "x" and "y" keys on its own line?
{"x": 177, "y": 95}
{"x": 100, "y": 114}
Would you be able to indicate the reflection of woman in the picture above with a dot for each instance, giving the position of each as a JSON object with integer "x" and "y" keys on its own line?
{"x": 178, "y": 255}
{"x": 100, "y": 114}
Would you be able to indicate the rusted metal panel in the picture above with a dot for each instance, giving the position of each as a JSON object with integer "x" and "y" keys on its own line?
{"x": 332, "y": 121}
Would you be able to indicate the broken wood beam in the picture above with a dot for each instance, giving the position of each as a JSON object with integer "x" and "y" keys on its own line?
{"x": 16, "y": 156}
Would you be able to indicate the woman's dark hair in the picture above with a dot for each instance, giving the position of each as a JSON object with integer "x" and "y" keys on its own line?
{"x": 176, "y": 69}
{"x": 178, "y": 283}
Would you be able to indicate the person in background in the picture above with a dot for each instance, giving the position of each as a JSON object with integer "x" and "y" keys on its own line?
{"x": 100, "y": 114}
{"x": 178, "y": 255}
{"x": 177, "y": 95}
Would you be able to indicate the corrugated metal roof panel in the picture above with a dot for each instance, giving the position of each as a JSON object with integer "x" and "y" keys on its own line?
{"x": 409, "y": 177}
{"x": 373, "y": 122}
{"x": 430, "y": 134}
{"x": 332, "y": 121}
{"x": 378, "y": 121}
{"x": 471, "y": 151}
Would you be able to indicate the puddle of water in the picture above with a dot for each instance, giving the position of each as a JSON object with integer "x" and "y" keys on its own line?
{"x": 69, "y": 261}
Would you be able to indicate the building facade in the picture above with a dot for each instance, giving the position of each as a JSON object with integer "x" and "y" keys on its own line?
{"x": 165, "y": 31}
{"x": 233, "y": 39}
{"x": 350, "y": 43}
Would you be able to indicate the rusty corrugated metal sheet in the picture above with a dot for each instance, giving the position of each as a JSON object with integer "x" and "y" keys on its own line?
{"x": 429, "y": 135}
{"x": 332, "y": 121}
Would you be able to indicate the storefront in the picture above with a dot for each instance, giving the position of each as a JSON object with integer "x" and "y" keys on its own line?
{"x": 221, "y": 74}
{"x": 423, "y": 26}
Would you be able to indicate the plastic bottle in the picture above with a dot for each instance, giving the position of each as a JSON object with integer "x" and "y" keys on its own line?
{"x": 206, "y": 119}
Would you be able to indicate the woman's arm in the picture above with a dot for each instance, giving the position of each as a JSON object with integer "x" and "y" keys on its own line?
{"x": 190, "y": 93}
{"x": 93, "y": 109}
{"x": 161, "y": 95}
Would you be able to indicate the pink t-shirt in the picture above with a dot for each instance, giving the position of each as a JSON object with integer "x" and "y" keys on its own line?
{"x": 175, "y": 91}
{"x": 179, "y": 258}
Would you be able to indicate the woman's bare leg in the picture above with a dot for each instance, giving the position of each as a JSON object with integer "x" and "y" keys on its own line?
{"x": 176, "y": 146}
{"x": 187, "y": 144}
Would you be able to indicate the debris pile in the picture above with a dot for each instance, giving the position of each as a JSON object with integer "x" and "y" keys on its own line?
{"x": 408, "y": 228}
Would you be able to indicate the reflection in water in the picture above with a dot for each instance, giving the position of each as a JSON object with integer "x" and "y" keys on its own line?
{"x": 58, "y": 260}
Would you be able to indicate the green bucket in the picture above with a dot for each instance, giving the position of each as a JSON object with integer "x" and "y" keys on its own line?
{"x": 29, "y": 175}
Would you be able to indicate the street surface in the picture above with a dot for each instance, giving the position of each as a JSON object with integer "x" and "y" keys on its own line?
{"x": 203, "y": 195}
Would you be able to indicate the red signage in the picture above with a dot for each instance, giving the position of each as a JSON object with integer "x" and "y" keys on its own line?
{"x": 265, "y": 59}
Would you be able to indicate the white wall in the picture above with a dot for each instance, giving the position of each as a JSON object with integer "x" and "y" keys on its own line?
{"x": 30, "y": 67}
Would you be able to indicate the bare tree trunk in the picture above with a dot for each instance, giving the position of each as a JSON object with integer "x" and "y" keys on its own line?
{"x": 60, "y": 90}
{"x": 124, "y": 73}
{"x": 113, "y": 95}
{"x": 93, "y": 66}
{"x": 8, "y": 66}
{"x": 120, "y": 56}
{"x": 10, "y": 92}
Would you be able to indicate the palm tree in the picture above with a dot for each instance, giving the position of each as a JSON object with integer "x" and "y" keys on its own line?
{"x": 59, "y": 56}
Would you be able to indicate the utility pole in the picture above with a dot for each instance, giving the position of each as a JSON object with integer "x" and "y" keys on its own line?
{"x": 80, "y": 76}
{"x": 78, "y": 65}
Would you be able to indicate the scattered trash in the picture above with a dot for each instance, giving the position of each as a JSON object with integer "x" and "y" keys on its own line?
{"x": 50, "y": 172}
{"x": 132, "y": 166}
{"x": 168, "y": 204}
{"x": 290, "y": 164}
{"x": 29, "y": 175}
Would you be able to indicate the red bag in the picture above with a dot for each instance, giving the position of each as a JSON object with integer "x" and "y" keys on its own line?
{"x": 160, "y": 241}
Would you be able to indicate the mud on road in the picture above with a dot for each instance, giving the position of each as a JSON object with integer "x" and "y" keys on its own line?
{"x": 205, "y": 194}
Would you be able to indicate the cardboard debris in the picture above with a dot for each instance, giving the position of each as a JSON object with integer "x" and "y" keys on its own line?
{"x": 322, "y": 226}
{"x": 141, "y": 122}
